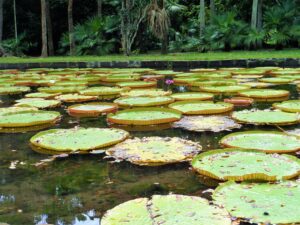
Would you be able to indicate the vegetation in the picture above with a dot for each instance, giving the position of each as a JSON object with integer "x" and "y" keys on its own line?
{"x": 100, "y": 27}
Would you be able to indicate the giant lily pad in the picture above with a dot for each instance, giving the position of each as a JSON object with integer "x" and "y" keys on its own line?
{"x": 267, "y": 141}
{"x": 167, "y": 210}
{"x": 146, "y": 92}
{"x": 224, "y": 89}
{"x": 201, "y": 107}
{"x": 28, "y": 118}
{"x": 78, "y": 139}
{"x": 277, "y": 80}
{"x": 143, "y": 101}
{"x": 153, "y": 151}
{"x": 192, "y": 96}
{"x": 244, "y": 164}
{"x": 206, "y": 123}
{"x": 264, "y": 93}
{"x": 61, "y": 89}
{"x": 261, "y": 203}
{"x": 38, "y": 103}
{"x": 92, "y": 109}
{"x": 102, "y": 91}
{"x": 266, "y": 117}
{"x": 41, "y": 95}
{"x": 16, "y": 109}
{"x": 11, "y": 90}
{"x": 288, "y": 106}
{"x": 137, "y": 84}
{"x": 75, "y": 98}
{"x": 144, "y": 116}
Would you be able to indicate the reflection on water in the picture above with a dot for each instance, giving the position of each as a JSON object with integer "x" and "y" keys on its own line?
{"x": 77, "y": 190}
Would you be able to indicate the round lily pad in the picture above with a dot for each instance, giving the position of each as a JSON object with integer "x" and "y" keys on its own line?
{"x": 206, "y": 123}
{"x": 143, "y": 101}
{"x": 41, "y": 95}
{"x": 146, "y": 92}
{"x": 224, "y": 89}
{"x": 75, "y": 98}
{"x": 257, "y": 84}
{"x": 277, "y": 80}
{"x": 11, "y": 90}
{"x": 154, "y": 151}
{"x": 144, "y": 116}
{"x": 261, "y": 203}
{"x": 267, "y": 141}
{"x": 245, "y": 164}
{"x": 192, "y": 96}
{"x": 288, "y": 106}
{"x": 266, "y": 117}
{"x": 103, "y": 91}
{"x": 201, "y": 107}
{"x": 264, "y": 93}
{"x": 38, "y": 103}
{"x": 92, "y": 109}
{"x": 121, "y": 78}
{"x": 28, "y": 118}
{"x": 17, "y": 109}
{"x": 61, "y": 89}
{"x": 78, "y": 139}
{"x": 167, "y": 210}
{"x": 137, "y": 84}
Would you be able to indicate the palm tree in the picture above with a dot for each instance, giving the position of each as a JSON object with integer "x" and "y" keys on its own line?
{"x": 71, "y": 27}
{"x": 99, "y": 8}
{"x": 49, "y": 30}
{"x": 212, "y": 9}
{"x": 159, "y": 22}
{"x": 15, "y": 21}
{"x": 44, "y": 29}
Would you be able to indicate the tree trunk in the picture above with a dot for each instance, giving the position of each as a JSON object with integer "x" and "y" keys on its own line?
{"x": 1, "y": 19}
{"x": 44, "y": 29}
{"x": 99, "y": 4}
{"x": 164, "y": 45}
{"x": 212, "y": 10}
{"x": 15, "y": 20}
{"x": 71, "y": 27}
{"x": 202, "y": 18}
{"x": 260, "y": 20}
{"x": 49, "y": 29}
{"x": 254, "y": 14}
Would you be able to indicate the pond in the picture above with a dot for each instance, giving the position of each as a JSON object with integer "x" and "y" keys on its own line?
{"x": 78, "y": 189}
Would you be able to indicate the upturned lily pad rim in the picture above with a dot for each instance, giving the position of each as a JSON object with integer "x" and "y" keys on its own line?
{"x": 227, "y": 107}
{"x": 247, "y": 176}
{"x": 227, "y": 145}
{"x": 33, "y": 141}
{"x": 176, "y": 116}
{"x": 167, "y": 100}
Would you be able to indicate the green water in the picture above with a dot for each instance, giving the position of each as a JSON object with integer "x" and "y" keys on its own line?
{"x": 78, "y": 189}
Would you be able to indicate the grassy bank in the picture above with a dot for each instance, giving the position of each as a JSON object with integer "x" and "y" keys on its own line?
{"x": 291, "y": 53}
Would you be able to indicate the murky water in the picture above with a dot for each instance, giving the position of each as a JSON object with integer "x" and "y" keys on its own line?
{"x": 77, "y": 190}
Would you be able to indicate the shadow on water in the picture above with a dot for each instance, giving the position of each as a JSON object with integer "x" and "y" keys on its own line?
{"x": 77, "y": 190}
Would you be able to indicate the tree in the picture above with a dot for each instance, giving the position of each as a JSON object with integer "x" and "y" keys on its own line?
{"x": 202, "y": 18}
{"x": 71, "y": 27}
{"x": 254, "y": 14}
{"x": 159, "y": 22}
{"x": 1, "y": 19}
{"x": 44, "y": 29}
{"x": 133, "y": 12}
{"x": 49, "y": 30}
